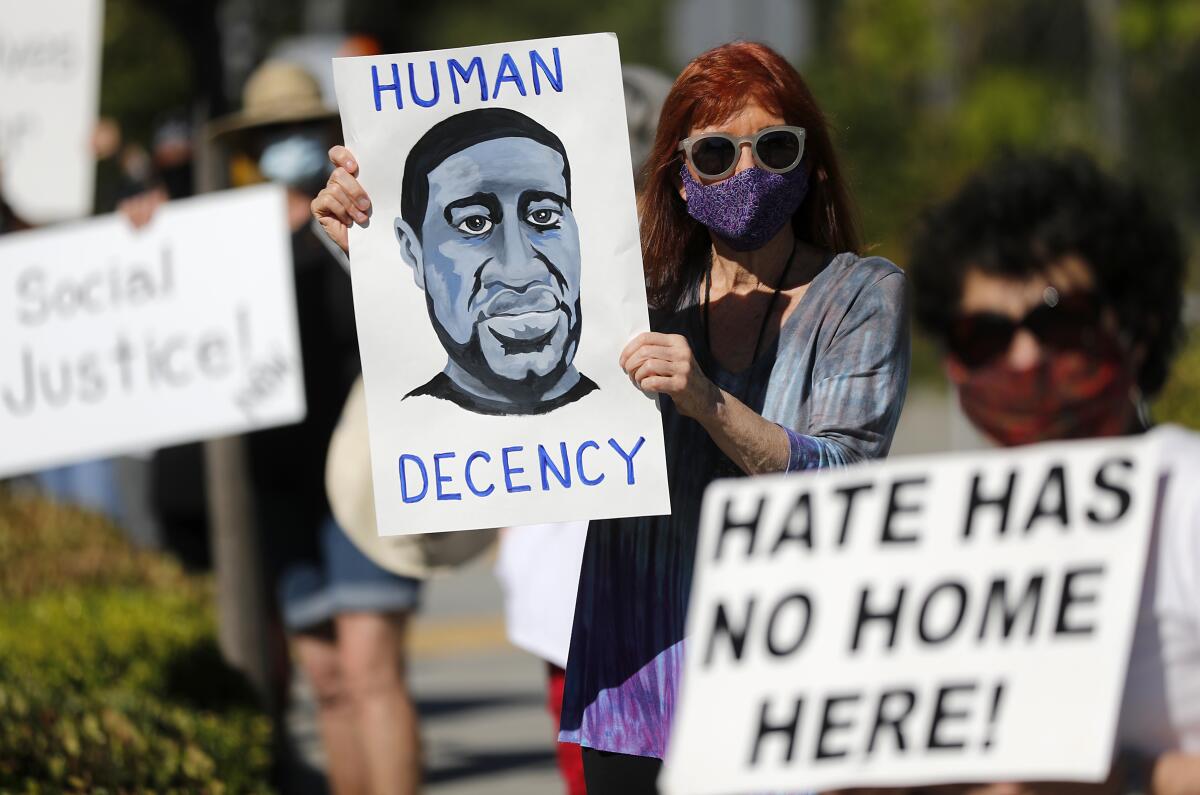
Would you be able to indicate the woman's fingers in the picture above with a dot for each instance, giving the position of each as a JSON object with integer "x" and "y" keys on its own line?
{"x": 338, "y": 194}
{"x": 648, "y": 352}
{"x": 337, "y": 232}
{"x": 674, "y": 342}
{"x": 333, "y": 217}
{"x": 327, "y": 205}
{"x": 654, "y": 368}
{"x": 352, "y": 187}
{"x": 656, "y": 383}
{"x": 340, "y": 156}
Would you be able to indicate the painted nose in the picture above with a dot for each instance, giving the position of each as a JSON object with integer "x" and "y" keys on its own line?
{"x": 518, "y": 265}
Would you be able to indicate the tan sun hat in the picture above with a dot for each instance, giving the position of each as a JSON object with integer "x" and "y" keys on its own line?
{"x": 277, "y": 92}
{"x": 352, "y": 499}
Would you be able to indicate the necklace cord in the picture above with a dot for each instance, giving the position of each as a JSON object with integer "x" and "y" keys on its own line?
{"x": 770, "y": 306}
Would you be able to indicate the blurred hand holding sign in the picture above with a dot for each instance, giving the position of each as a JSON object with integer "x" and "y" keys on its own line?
{"x": 496, "y": 284}
{"x": 50, "y": 84}
{"x": 114, "y": 340}
{"x": 921, "y": 621}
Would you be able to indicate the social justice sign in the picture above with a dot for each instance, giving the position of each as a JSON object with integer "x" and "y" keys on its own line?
{"x": 114, "y": 340}
{"x": 495, "y": 285}
{"x": 923, "y": 621}
{"x": 50, "y": 82}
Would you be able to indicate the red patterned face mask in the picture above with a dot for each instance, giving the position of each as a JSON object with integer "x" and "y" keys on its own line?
{"x": 1067, "y": 395}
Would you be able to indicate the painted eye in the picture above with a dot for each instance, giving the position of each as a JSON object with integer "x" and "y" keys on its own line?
{"x": 475, "y": 225}
{"x": 543, "y": 217}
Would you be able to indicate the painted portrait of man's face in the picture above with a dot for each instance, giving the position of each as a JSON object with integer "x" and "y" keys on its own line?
{"x": 498, "y": 257}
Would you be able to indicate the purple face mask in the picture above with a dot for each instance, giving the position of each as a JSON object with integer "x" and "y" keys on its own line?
{"x": 747, "y": 209}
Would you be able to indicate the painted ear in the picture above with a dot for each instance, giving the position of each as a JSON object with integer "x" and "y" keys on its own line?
{"x": 410, "y": 250}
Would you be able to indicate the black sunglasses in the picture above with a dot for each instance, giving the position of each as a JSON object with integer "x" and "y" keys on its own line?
{"x": 714, "y": 155}
{"x": 1070, "y": 322}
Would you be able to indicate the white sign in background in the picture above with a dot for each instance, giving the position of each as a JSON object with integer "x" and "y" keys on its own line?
{"x": 876, "y": 630}
{"x": 572, "y": 86}
{"x": 114, "y": 340}
{"x": 50, "y": 84}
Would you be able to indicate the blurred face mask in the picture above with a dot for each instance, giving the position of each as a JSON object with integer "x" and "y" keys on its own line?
{"x": 1066, "y": 395}
{"x": 297, "y": 160}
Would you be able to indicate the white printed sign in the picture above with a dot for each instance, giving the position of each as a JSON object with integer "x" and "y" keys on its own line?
{"x": 113, "y": 340}
{"x": 496, "y": 284}
{"x": 924, "y": 621}
{"x": 50, "y": 84}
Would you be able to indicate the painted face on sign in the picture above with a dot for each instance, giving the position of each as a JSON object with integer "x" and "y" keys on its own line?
{"x": 500, "y": 265}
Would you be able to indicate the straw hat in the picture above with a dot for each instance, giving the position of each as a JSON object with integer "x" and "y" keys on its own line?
{"x": 352, "y": 499}
{"x": 277, "y": 92}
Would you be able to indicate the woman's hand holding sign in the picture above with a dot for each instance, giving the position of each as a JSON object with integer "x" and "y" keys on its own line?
{"x": 663, "y": 363}
{"x": 342, "y": 201}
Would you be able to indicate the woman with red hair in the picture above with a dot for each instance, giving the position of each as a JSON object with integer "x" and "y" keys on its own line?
{"x": 780, "y": 349}
{"x": 776, "y": 347}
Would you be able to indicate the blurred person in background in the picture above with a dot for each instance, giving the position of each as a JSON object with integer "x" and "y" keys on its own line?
{"x": 346, "y": 617}
{"x": 9, "y": 220}
{"x": 112, "y": 487}
{"x": 1055, "y": 293}
{"x": 178, "y": 494}
{"x": 744, "y": 215}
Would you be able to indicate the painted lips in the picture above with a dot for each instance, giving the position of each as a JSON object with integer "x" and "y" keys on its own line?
{"x": 523, "y": 316}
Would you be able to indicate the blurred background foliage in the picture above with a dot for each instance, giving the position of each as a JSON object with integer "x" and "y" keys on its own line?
{"x": 919, "y": 92}
{"x": 110, "y": 675}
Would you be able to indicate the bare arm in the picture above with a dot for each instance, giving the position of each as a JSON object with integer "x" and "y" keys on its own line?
{"x": 1176, "y": 773}
{"x": 854, "y": 398}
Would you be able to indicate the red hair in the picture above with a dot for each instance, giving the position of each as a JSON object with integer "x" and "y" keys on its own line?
{"x": 711, "y": 89}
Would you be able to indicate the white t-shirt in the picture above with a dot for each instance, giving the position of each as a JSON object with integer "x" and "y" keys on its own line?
{"x": 1161, "y": 708}
{"x": 538, "y": 567}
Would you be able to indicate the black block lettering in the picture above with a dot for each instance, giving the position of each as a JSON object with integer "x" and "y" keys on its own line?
{"x": 1002, "y": 501}
{"x": 867, "y": 614}
{"x": 748, "y": 526}
{"x": 722, "y": 629}
{"x": 786, "y": 730}
{"x": 1070, "y": 598}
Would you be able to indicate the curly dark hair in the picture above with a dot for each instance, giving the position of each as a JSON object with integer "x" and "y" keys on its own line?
{"x": 1021, "y": 215}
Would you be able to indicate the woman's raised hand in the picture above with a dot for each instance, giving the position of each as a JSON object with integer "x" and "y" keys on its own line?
{"x": 342, "y": 201}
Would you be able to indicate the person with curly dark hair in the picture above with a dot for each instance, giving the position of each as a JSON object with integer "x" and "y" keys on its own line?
{"x": 1055, "y": 293}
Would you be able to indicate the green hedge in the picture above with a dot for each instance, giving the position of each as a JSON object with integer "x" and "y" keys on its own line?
{"x": 110, "y": 677}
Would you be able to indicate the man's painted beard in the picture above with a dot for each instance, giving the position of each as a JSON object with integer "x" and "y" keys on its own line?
{"x": 532, "y": 386}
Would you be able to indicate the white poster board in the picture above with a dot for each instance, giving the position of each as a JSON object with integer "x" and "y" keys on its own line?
{"x": 924, "y": 621}
{"x": 495, "y": 285}
{"x": 114, "y": 340}
{"x": 50, "y": 85}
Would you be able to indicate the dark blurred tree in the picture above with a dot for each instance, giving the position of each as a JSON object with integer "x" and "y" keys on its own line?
{"x": 639, "y": 24}
{"x": 923, "y": 91}
{"x": 146, "y": 69}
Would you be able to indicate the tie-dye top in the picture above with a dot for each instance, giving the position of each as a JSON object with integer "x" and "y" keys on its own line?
{"x": 835, "y": 381}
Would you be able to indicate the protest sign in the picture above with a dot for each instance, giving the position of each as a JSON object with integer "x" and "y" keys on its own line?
{"x": 50, "y": 82}
{"x": 924, "y": 621}
{"x": 114, "y": 340}
{"x": 495, "y": 285}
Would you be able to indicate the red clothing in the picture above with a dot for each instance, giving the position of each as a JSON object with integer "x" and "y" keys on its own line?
{"x": 570, "y": 755}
